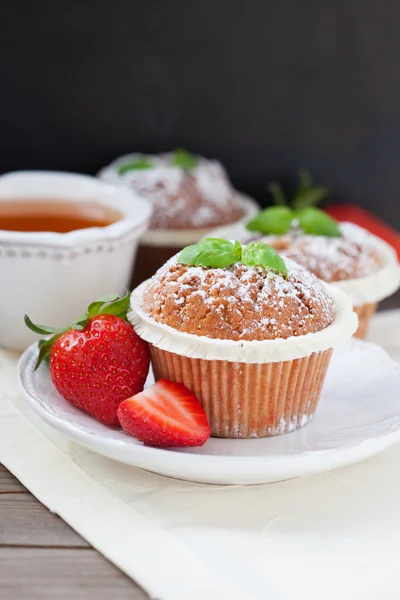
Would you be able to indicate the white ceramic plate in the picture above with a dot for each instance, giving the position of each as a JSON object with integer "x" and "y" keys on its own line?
{"x": 358, "y": 416}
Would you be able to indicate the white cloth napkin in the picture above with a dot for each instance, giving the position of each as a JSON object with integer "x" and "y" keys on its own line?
{"x": 330, "y": 536}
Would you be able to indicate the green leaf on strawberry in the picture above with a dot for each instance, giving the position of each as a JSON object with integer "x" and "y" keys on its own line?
{"x": 111, "y": 304}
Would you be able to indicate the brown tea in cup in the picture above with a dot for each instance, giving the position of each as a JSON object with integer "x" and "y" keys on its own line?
{"x": 59, "y": 216}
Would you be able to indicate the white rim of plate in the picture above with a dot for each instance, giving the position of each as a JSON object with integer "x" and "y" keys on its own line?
{"x": 193, "y": 346}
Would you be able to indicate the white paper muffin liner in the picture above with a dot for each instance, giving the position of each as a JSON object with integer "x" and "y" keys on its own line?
{"x": 377, "y": 286}
{"x": 166, "y": 338}
{"x": 362, "y": 290}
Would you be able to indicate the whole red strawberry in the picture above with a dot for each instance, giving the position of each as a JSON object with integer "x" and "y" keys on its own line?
{"x": 98, "y": 361}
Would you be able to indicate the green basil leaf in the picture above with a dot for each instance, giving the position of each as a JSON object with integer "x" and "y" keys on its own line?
{"x": 305, "y": 182}
{"x": 263, "y": 255}
{"x": 136, "y": 165}
{"x": 238, "y": 249}
{"x": 316, "y": 222}
{"x": 309, "y": 197}
{"x": 183, "y": 159}
{"x": 211, "y": 252}
{"x": 277, "y": 194}
{"x": 273, "y": 220}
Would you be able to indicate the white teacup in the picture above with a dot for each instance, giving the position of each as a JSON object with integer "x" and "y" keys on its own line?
{"x": 53, "y": 277}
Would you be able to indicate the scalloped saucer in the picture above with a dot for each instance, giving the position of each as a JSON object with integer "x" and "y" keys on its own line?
{"x": 357, "y": 417}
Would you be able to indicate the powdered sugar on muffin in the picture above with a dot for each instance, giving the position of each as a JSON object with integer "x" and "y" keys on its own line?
{"x": 350, "y": 256}
{"x": 196, "y": 198}
{"x": 238, "y": 302}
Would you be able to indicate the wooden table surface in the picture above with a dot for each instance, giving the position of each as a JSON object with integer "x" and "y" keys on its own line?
{"x": 42, "y": 558}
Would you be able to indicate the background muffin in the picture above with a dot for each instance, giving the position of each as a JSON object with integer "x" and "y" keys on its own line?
{"x": 359, "y": 263}
{"x": 189, "y": 195}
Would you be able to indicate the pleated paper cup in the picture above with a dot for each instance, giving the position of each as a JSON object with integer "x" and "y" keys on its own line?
{"x": 365, "y": 314}
{"x": 367, "y": 292}
{"x": 247, "y": 388}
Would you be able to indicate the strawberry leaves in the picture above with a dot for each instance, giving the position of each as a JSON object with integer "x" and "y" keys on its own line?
{"x": 107, "y": 305}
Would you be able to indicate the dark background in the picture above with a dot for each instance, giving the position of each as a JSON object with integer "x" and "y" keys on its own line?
{"x": 265, "y": 86}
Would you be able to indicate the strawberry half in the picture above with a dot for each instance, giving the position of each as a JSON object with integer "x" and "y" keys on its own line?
{"x": 98, "y": 361}
{"x": 166, "y": 415}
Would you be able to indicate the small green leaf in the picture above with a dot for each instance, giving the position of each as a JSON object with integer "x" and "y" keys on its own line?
{"x": 263, "y": 255}
{"x": 277, "y": 194}
{"x": 316, "y": 222}
{"x": 41, "y": 329}
{"x": 119, "y": 307}
{"x": 238, "y": 249}
{"x": 136, "y": 165}
{"x": 305, "y": 182}
{"x": 45, "y": 347}
{"x": 183, "y": 159}
{"x": 211, "y": 252}
{"x": 273, "y": 220}
{"x": 309, "y": 197}
{"x": 96, "y": 306}
{"x": 47, "y": 357}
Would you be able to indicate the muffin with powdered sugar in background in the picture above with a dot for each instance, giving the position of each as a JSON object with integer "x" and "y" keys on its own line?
{"x": 344, "y": 254}
{"x": 189, "y": 196}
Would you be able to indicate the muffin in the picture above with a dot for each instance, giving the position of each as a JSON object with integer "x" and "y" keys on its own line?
{"x": 251, "y": 339}
{"x": 189, "y": 195}
{"x": 355, "y": 261}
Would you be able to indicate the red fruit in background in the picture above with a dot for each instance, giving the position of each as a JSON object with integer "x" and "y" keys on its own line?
{"x": 166, "y": 415}
{"x": 98, "y": 361}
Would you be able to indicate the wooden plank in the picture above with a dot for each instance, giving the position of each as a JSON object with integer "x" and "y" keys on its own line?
{"x": 24, "y": 521}
{"x": 8, "y": 483}
{"x": 46, "y": 574}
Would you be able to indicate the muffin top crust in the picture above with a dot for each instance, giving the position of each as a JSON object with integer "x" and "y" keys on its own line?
{"x": 330, "y": 258}
{"x": 194, "y": 198}
{"x": 238, "y": 302}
